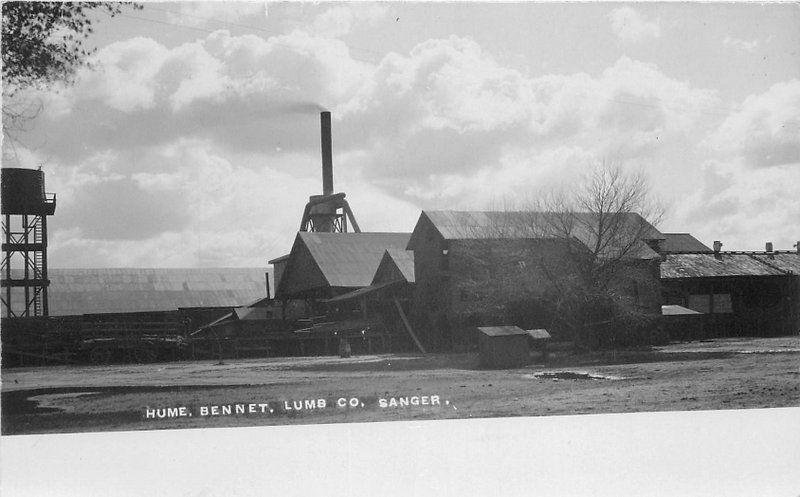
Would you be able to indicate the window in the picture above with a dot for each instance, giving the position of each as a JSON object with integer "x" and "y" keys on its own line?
{"x": 444, "y": 262}
{"x": 699, "y": 303}
{"x": 633, "y": 291}
{"x": 721, "y": 303}
{"x": 718, "y": 303}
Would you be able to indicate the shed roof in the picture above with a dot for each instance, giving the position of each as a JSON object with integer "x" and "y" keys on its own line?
{"x": 360, "y": 292}
{"x": 499, "y": 331}
{"x": 538, "y": 334}
{"x": 252, "y": 313}
{"x": 712, "y": 265}
{"x": 785, "y": 261}
{"x": 682, "y": 242}
{"x": 677, "y": 310}
{"x": 279, "y": 259}
{"x": 471, "y": 225}
{"x": 97, "y": 291}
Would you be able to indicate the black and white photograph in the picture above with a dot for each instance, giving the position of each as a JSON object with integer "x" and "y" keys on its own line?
{"x": 260, "y": 215}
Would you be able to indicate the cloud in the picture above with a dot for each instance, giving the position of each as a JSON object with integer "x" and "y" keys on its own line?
{"x": 448, "y": 111}
{"x": 209, "y": 153}
{"x": 199, "y": 14}
{"x": 122, "y": 77}
{"x": 746, "y": 193}
{"x": 421, "y": 127}
{"x": 234, "y": 90}
{"x": 747, "y": 46}
{"x": 765, "y": 130}
{"x": 744, "y": 207}
{"x": 121, "y": 209}
{"x": 632, "y": 27}
{"x": 339, "y": 20}
{"x": 199, "y": 207}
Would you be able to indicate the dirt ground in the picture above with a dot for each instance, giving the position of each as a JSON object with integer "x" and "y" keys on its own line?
{"x": 714, "y": 374}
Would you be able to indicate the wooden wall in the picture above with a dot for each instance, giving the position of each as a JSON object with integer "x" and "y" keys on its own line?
{"x": 740, "y": 305}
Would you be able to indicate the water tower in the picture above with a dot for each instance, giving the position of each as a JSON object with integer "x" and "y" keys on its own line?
{"x": 25, "y": 207}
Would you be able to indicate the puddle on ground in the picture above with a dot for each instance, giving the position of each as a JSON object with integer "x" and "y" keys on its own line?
{"x": 53, "y": 401}
{"x": 572, "y": 375}
{"x": 725, "y": 350}
{"x": 767, "y": 351}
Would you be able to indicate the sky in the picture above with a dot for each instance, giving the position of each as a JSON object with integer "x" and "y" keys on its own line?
{"x": 192, "y": 140}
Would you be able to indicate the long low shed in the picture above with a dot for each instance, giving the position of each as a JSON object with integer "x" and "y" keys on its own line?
{"x": 737, "y": 293}
{"x": 74, "y": 292}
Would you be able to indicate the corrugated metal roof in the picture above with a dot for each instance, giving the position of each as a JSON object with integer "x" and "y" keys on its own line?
{"x": 714, "y": 266}
{"x": 682, "y": 242}
{"x": 785, "y": 261}
{"x": 95, "y": 291}
{"x": 350, "y": 259}
{"x": 459, "y": 225}
{"x": 498, "y": 331}
{"x": 470, "y": 225}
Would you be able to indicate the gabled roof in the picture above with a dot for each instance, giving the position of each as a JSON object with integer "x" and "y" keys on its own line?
{"x": 489, "y": 225}
{"x": 682, "y": 242}
{"x": 336, "y": 260}
{"x": 98, "y": 291}
{"x": 350, "y": 259}
{"x": 715, "y": 265}
{"x": 395, "y": 261}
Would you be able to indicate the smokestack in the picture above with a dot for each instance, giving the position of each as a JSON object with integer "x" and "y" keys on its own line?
{"x": 769, "y": 246}
{"x": 327, "y": 153}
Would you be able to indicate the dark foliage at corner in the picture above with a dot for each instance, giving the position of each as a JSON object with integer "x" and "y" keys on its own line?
{"x": 44, "y": 41}
{"x": 589, "y": 320}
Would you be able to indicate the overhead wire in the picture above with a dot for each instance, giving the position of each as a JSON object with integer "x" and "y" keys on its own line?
{"x": 680, "y": 107}
{"x": 235, "y": 25}
{"x": 247, "y": 26}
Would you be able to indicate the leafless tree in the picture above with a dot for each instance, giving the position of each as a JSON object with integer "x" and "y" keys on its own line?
{"x": 605, "y": 221}
{"x": 584, "y": 249}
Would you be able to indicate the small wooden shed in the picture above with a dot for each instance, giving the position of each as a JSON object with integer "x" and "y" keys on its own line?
{"x": 682, "y": 323}
{"x": 503, "y": 347}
